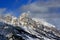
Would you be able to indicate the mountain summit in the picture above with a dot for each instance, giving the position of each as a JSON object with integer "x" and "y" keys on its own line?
{"x": 26, "y": 28}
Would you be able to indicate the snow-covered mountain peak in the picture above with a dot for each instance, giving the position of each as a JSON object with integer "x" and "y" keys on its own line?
{"x": 27, "y": 28}
{"x": 24, "y": 19}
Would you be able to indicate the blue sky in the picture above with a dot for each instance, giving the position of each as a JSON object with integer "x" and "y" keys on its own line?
{"x": 46, "y": 9}
{"x": 13, "y": 4}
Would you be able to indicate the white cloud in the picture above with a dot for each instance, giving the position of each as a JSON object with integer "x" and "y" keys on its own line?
{"x": 41, "y": 8}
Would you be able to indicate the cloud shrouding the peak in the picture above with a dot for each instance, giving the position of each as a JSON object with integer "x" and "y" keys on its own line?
{"x": 48, "y": 10}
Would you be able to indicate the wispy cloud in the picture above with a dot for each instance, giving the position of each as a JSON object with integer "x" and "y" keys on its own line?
{"x": 43, "y": 8}
{"x": 2, "y": 10}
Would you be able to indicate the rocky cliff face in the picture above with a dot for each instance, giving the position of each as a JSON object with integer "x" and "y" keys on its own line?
{"x": 26, "y": 28}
